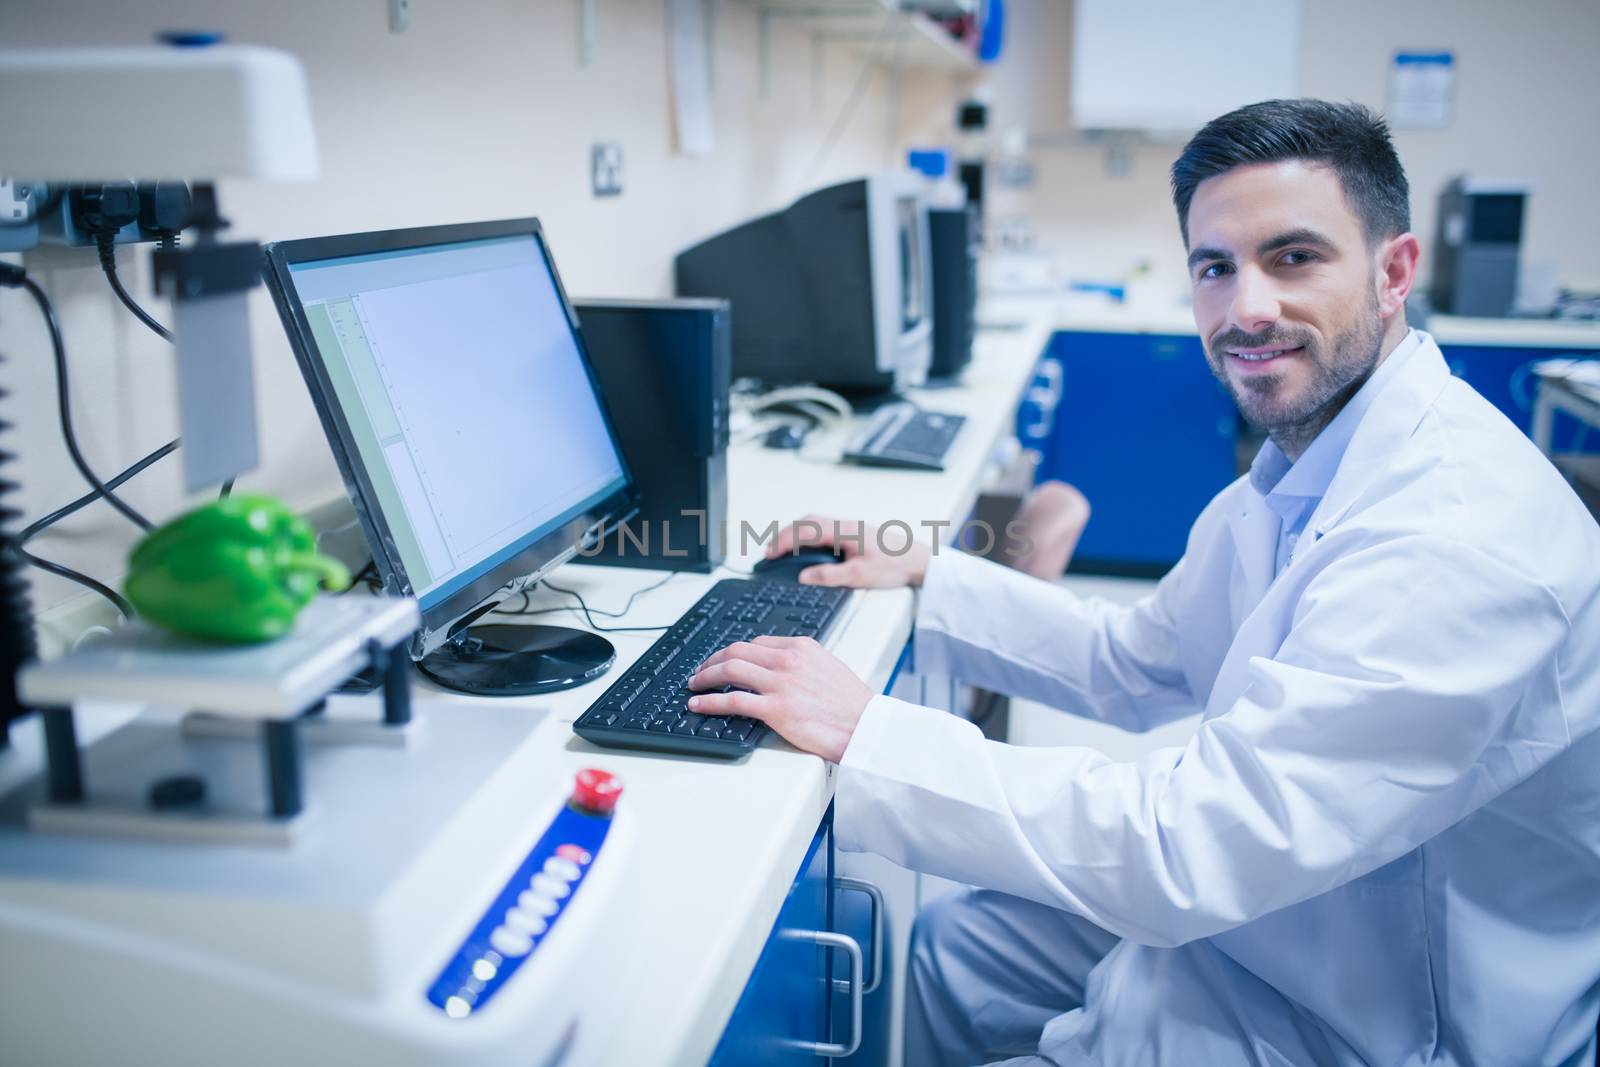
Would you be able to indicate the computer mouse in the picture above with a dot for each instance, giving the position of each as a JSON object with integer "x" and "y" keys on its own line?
{"x": 786, "y": 437}
{"x": 788, "y": 566}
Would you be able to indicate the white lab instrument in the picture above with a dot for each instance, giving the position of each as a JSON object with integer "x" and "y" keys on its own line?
{"x": 431, "y": 903}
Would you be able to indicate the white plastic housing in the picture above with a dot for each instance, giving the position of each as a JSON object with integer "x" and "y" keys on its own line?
{"x": 93, "y": 114}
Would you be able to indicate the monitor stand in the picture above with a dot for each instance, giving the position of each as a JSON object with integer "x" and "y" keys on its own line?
{"x": 507, "y": 659}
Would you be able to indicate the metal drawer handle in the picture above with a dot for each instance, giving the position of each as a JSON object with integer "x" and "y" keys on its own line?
{"x": 829, "y": 939}
{"x": 875, "y": 976}
{"x": 1050, "y": 370}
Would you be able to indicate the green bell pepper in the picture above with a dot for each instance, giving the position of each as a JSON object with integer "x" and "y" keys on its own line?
{"x": 236, "y": 571}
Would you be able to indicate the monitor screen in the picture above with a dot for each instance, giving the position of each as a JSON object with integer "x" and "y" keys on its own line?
{"x": 466, "y": 395}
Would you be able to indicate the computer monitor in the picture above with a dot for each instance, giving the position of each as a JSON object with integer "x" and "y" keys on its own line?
{"x": 834, "y": 289}
{"x": 449, "y": 374}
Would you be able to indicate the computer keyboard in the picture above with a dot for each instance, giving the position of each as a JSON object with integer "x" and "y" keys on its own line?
{"x": 647, "y": 706}
{"x": 900, "y": 435}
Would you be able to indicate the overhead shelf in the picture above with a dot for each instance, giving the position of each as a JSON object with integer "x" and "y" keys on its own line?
{"x": 907, "y": 40}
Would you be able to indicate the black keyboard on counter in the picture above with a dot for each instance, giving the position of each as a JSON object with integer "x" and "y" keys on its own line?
{"x": 899, "y": 435}
{"x": 648, "y": 706}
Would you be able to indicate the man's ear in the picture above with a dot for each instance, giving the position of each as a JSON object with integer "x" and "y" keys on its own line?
{"x": 1397, "y": 271}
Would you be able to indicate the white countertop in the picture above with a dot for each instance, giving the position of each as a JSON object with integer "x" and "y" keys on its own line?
{"x": 718, "y": 845}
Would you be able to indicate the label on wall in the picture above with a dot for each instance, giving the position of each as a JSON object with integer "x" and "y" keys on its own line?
{"x": 1422, "y": 90}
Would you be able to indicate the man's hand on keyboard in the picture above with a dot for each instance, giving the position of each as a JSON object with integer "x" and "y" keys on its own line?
{"x": 795, "y": 686}
{"x": 888, "y": 561}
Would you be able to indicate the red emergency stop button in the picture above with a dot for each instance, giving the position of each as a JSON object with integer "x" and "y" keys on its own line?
{"x": 596, "y": 791}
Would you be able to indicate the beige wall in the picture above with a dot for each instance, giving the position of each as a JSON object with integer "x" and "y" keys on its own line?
{"x": 481, "y": 110}
{"x": 1526, "y": 107}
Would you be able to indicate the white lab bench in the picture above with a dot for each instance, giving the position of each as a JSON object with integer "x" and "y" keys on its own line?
{"x": 717, "y": 845}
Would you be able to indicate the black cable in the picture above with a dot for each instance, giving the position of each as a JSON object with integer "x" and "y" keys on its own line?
{"x": 64, "y": 407}
{"x": 362, "y": 576}
{"x": 82, "y": 579}
{"x": 589, "y": 613}
{"x": 227, "y": 490}
{"x": 108, "y": 264}
{"x": 86, "y": 499}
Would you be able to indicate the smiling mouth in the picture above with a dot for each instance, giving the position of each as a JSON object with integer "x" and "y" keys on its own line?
{"x": 1262, "y": 355}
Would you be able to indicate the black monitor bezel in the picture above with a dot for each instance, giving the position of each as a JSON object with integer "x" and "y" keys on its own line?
{"x": 444, "y": 618}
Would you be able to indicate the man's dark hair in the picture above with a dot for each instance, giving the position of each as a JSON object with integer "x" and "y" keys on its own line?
{"x": 1348, "y": 138}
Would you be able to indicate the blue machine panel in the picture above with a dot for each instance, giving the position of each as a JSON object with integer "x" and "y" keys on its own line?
{"x": 522, "y": 914}
{"x": 1148, "y": 435}
{"x": 1505, "y": 378}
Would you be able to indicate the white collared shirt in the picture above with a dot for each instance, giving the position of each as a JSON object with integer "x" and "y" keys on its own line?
{"x": 1293, "y": 490}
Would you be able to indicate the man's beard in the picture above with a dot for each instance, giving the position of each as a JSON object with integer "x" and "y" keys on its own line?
{"x": 1337, "y": 374}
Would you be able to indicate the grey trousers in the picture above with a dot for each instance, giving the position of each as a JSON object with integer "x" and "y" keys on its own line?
{"x": 988, "y": 971}
{"x": 994, "y": 979}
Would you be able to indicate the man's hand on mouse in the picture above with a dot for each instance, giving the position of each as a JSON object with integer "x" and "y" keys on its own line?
{"x": 871, "y": 561}
{"x": 796, "y": 686}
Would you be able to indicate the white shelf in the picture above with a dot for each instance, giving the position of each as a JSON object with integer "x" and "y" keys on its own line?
{"x": 901, "y": 39}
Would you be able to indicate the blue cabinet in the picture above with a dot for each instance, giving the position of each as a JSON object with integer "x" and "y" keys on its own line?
{"x": 786, "y": 1002}
{"x": 1505, "y": 378}
{"x": 1147, "y": 434}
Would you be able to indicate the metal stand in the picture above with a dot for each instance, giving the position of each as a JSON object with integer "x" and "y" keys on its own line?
{"x": 280, "y": 739}
{"x": 61, "y": 754}
{"x": 261, "y": 695}
{"x": 393, "y": 665}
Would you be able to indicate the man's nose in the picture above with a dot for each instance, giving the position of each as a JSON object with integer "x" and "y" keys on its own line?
{"x": 1255, "y": 301}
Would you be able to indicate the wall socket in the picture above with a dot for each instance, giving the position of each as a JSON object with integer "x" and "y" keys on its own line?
{"x": 605, "y": 168}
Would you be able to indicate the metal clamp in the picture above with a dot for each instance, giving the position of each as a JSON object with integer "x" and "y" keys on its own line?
{"x": 829, "y": 939}
{"x": 875, "y": 976}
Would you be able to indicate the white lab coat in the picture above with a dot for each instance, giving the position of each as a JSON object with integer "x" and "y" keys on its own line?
{"x": 1389, "y": 817}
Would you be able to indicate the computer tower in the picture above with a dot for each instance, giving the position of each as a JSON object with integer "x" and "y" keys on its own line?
{"x": 664, "y": 368}
{"x": 953, "y": 239}
{"x": 834, "y": 289}
{"x": 1478, "y": 243}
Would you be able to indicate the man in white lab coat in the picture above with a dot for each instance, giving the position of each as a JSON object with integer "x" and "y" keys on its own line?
{"x": 1382, "y": 845}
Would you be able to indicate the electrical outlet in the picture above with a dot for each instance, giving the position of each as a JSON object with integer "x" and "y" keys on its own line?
{"x": 605, "y": 168}
{"x": 61, "y": 225}
{"x": 19, "y": 208}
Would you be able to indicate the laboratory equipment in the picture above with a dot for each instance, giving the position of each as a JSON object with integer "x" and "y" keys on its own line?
{"x": 434, "y": 906}
{"x": 646, "y": 708}
{"x": 208, "y": 112}
{"x": 664, "y": 370}
{"x": 835, "y": 289}
{"x": 446, "y": 365}
{"x": 1477, "y": 247}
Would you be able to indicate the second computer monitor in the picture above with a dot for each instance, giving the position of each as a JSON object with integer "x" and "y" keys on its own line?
{"x": 835, "y": 289}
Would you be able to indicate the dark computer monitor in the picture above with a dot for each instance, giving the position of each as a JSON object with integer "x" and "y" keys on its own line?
{"x": 834, "y": 289}
{"x": 451, "y": 380}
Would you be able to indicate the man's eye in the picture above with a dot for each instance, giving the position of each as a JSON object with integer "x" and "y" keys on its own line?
{"x": 1298, "y": 258}
{"x": 1216, "y": 270}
